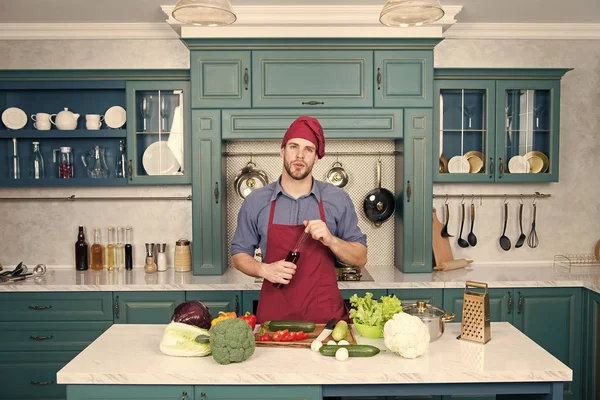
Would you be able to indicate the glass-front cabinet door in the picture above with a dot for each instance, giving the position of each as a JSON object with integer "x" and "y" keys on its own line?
{"x": 464, "y": 131}
{"x": 527, "y": 131}
{"x": 158, "y": 132}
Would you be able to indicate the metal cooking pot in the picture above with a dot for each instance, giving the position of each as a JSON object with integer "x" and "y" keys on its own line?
{"x": 379, "y": 204}
{"x": 249, "y": 179}
{"x": 337, "y": 175}
{"x": 433, "y": 317}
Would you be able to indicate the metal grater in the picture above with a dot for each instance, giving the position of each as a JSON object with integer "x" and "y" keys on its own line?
{"x": 476, "y": 314}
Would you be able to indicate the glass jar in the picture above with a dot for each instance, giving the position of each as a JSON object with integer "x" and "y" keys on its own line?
{"x": 65, "y": 162}
{"x": 183, "y": 256}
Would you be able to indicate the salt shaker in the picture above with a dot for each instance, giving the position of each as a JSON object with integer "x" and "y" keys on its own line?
{"x": 183, "y": 256}
{"x": 161, "y": 257}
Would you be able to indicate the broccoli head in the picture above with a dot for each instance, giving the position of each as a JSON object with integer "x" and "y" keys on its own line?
{"x": 231, "y": 341}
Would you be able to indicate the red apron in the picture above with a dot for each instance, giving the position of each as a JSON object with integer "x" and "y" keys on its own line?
{"x": 313, "y": 293}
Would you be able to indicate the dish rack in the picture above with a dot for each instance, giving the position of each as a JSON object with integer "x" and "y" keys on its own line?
{"x": 576, "y": 260}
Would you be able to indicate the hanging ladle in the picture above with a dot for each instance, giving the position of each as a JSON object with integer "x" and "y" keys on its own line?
{"x": 522, "y": 236}
{"x": 445, "y": 228}
{"x": 472, "y": 238}
{"x": 504, "y": 240}
{"x": 462, "y": 242}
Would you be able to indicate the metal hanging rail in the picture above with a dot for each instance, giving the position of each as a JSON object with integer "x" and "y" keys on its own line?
{"x": 536, "y": 195}
{"x": 95, "y": 198}
{"x": 333, "y": 153}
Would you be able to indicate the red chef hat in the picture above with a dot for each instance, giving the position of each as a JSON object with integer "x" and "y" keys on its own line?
{"x": 307, "y": 128}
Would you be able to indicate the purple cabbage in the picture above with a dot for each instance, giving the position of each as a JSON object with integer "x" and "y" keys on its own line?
{"x": 193, "y": 312}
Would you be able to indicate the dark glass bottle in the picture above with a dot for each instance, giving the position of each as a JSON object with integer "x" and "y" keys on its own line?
{"x": 128, "y": 250}
{"x": 81, "y": 252}
{"x": 292, "y": 257}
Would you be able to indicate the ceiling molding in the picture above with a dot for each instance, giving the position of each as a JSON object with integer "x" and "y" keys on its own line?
{"x": 524, "y": 31}
{"x": 87, "y": 31}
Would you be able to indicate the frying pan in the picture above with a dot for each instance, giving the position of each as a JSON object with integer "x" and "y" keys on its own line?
{"x": 379, "y": 203}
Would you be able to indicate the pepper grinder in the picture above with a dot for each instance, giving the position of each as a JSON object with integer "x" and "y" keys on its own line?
{"x": 150, "y": 266}
{"x": 161, "y": 257}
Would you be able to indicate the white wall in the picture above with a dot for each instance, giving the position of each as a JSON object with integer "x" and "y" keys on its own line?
{"x": 568, "y": 222}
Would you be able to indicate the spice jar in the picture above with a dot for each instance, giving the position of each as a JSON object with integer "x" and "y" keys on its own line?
{"x": 183, "y": 256}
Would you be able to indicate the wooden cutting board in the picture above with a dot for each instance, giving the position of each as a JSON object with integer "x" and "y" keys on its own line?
{"x": 442, "y": 252}
{"x": 305, "y": 344}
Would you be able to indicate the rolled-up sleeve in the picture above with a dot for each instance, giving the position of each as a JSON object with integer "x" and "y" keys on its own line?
{"x": 347, "y": 228}
{"x": 246, "y": 237}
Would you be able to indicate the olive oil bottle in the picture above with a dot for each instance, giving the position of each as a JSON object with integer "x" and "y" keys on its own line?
{"x": 97, "y": 253}
{"x": 110, "y": 251}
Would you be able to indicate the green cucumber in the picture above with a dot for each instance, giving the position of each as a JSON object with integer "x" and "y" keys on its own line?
{"x": 292, "y": 326}
{"x": 354, "y": 350}
{"x": 340, "y": 331}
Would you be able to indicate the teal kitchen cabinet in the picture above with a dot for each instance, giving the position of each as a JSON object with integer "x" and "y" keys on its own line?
{"x": 552, "y": 317}
{"x": 592, "y": 348}
{"x": 130, "y": 392}
{"x": 220, "y": 79}
{"x": 403, "y": 78}
{"x": 250, "y": 301}
{"x": 209, "y": 196}
{"x": 145, "y": 307}
{"x": 411, "y": 296}
{"x": 414, "y": 252}
{"x": 218, "y": 300}
{"x": 259, "y": 392}
{"x": 312, "y": 78}
{"x": 158, "y": 132}
{"x": 497, "y": 125}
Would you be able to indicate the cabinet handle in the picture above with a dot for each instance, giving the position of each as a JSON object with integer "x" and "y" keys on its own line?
{"x": 183, "y": 395}
{"x": 379, "y": 78}
{"x": 520, "y": 306}
{"x": 41, "y": 383}
{"x": 246, "y": 78}
{"x": 216, "y": 192}
{"x": 236, "y": 306}
{"x": 510, "y": 302}
{"x": 501, "y": 167}
{"x": 202, "y": 396}
{"x": 312, "y": 103}
{"x": 408, "y": 192}
{"x": 41, "y": 337}
{"x": 116, "y": 307}
{"x": 39, "y": 307}
{"x": 491, "y": 167}
{"x": 130, "y": 170}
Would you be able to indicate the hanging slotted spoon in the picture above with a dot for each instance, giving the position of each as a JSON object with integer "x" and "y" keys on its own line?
{"x": 522, "y": 236}
{"x": 504, "y": 240}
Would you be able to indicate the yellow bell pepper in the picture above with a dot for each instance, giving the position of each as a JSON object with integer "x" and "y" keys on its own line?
{"x": 223, "y": 316}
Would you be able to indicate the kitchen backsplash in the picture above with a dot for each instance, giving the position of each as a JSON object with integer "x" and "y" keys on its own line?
{"x": 567, "y": 222}
{"x": 362, "y": 177}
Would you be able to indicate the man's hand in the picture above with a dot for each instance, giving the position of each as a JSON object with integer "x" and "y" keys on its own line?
{"x": 278, "y": 272}
{"x": 319, "y": 231}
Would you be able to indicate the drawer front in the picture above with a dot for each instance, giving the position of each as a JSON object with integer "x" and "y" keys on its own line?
{"x": 146, "y": 307}
{"x": 312, "y": 79}
{"x": 261, "y": 392}
{"x": 49, "y": 336}
{"x": 337, "y": 124}
{"x": 57, "y": 306}
{"x": 217, "y": 301}
{"x": 32, "y": 375}
{"x": 130, "y": 392}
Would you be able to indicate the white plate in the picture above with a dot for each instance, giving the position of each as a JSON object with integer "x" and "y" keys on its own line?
{"x": 459, "y": 165}
{"x": 158, "y": 159}
{"x": 519, "y": 165}
{"x": 14, "y": 118}
{"x": 115, "y": 117}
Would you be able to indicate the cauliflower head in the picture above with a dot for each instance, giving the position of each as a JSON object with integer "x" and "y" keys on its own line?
{"x": 231, "y": 341}
{"x": 406, "y": 335}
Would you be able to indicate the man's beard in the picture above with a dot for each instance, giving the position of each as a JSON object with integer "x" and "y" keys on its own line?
{"x": 297, "y": 175}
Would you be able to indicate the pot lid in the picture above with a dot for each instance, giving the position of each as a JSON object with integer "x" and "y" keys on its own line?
{"x": 422, "y": 309}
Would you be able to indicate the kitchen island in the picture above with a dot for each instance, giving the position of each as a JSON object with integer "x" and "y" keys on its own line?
{"x": 125, "y": 362}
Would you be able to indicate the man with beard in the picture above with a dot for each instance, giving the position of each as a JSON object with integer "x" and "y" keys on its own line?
{"x": 274, "y": 217}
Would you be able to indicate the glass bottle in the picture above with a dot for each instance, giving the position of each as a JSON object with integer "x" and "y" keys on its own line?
{"x": 81, "y": 251}
{"x": 110, "y": 251}
{"x": 37, "y": 163}
{"x": 128, "y": 250}
{"x": 97, "y": 252}
{"x": 120, "y": 169}
{"x": 15, "y": 170}
{"x": 120, "y": 249}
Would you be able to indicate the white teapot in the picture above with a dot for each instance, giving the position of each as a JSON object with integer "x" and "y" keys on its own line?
{"x": 65, "y": 120}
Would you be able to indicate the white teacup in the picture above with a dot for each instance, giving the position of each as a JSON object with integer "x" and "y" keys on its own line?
{"x": 93, "y": 122}
{"x": 42, "y": 121}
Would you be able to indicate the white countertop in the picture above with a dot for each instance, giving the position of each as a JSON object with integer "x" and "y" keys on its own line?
{"x": 385, "y": 277}
{"x": 130, "y": 355}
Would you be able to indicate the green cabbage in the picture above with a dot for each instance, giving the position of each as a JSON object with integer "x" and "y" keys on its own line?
{"x": 182, "y": 340}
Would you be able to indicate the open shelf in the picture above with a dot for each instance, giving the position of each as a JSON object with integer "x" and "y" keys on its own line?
{"x": 58, "y": 134}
